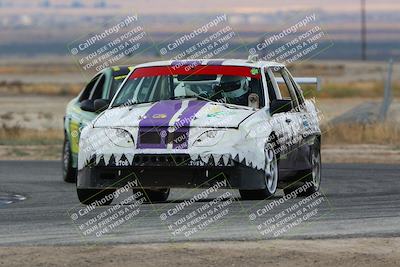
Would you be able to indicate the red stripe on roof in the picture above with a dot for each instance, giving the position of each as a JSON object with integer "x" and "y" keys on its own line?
{"x": 195, "y": 70}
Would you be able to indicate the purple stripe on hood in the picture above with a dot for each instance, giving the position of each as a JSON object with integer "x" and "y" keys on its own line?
{"x": 156, "y": 121}
{"x": 183, "y": 124}
{"x": 160, "y": 113}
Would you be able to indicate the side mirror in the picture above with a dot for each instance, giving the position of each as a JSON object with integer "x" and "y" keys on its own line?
{"x": 101, "y": 105}
{"x": 280, "y": 106}
{"x": 87, "y": 105}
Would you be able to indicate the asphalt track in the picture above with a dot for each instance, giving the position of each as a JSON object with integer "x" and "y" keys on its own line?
{"x": 357, "y": 200}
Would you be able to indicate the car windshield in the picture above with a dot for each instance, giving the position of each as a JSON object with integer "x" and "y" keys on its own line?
{"x": 228, "y": 84}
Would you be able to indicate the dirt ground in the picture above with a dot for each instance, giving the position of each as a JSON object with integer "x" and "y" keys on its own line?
{"x": 361, "y": 153}
{"x": 33, "y": 112}
{"x": 329, "y": 252}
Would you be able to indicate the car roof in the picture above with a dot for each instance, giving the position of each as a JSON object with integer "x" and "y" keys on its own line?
{"x": 221, "y": 62}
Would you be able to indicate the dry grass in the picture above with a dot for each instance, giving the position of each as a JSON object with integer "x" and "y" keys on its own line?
{"x": 310, "y": 69}
{"x": 377, "y": 133}
{"x": 35, "y": 68}
{"x": 30, "y": 152}
{"x": 18, "y": 87}
{"x": 365, "y": 89}
{"x": 15, "y": 135}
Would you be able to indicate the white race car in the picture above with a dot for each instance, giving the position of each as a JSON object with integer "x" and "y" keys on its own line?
{"x": 193, "y": 123}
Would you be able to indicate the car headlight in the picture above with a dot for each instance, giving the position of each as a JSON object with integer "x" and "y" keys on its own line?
{"x": 120, "y": 137}
{"x": 209, "y": 138}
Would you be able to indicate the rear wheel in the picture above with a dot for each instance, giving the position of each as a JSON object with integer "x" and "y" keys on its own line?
{"x": 311, "y": 176}
{"x": 100, "y": 197}
{"x": 68, "y": 172}
{"x": 271, "y": 176}
{"x": 152, "y": 195}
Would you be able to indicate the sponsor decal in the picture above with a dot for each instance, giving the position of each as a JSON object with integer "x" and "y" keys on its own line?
{"x": 217, "y": 112}
{"x": 220, "y": 114}
{"x": 159, "y": 116}
{"x": 254, "y": 71}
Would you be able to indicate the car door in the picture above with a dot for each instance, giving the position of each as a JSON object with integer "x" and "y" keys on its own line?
{"x": 308, "y": 115}
{"x": 80, "y": 118}
{"x": 287, "y": 122}
{"x": 308, "y": 130}
{"x": 297, "y": 112}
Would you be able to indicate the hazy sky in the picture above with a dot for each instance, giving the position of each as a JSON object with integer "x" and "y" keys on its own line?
{"x": 254, "y": 6}
{"x": 228, "y": 6}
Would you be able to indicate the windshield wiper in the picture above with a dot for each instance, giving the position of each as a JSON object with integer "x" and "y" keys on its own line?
{"x": 128, "y": 103}
{"x": 190, "y": 96}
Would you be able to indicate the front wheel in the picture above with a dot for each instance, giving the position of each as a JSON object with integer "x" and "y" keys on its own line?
{"x": 68, "y": 172}
{"x": 99, "y": 197}
{"x": 271, "y": 176}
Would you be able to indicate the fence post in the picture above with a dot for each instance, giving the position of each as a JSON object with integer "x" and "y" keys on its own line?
{"x": 387, "y": 96}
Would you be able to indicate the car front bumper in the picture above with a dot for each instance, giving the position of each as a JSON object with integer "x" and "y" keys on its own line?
{"x": 166, "y": 171}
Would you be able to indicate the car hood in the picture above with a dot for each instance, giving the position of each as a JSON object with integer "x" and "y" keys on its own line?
{"x": 177, "y": 113}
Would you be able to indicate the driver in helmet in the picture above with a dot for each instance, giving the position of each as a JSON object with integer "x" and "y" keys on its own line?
{"x": 235, "y": 89}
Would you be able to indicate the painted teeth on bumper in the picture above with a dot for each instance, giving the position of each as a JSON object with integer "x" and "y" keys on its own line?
{"x": 164, "y": 160}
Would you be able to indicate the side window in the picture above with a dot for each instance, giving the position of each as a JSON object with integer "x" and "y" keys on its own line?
{"x": 271, "y": 91}
{"x": 115, "y": 83}
{"x": 88, "y": 89}
{"x": 285, "y": 86}
{"x": 255, "y": 86}
{"x": 297, "y": 90}
{"x": 97, "y": 91}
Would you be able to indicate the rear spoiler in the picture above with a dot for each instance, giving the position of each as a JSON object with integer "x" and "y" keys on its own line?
{"x": 304, "y": 80}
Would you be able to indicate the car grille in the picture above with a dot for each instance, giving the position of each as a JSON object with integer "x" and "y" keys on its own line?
{"x": 161, "y": 160}
{"x": 150, "y": 137}
{"x": 178, "y": 138}
{"x": 154, "y": 160}
{"x": 160, "y": 137}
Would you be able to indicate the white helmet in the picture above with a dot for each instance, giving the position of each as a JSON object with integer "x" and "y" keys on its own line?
{"x": 234, "y": 86}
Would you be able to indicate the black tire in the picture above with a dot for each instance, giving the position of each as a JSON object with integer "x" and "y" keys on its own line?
{"x": 101, "y": 197}
{"x": 271, "y": 181}
{"x": 312, "y": 175}
{"x": 159, "y": 195}
{"x": 68, "y": 172}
